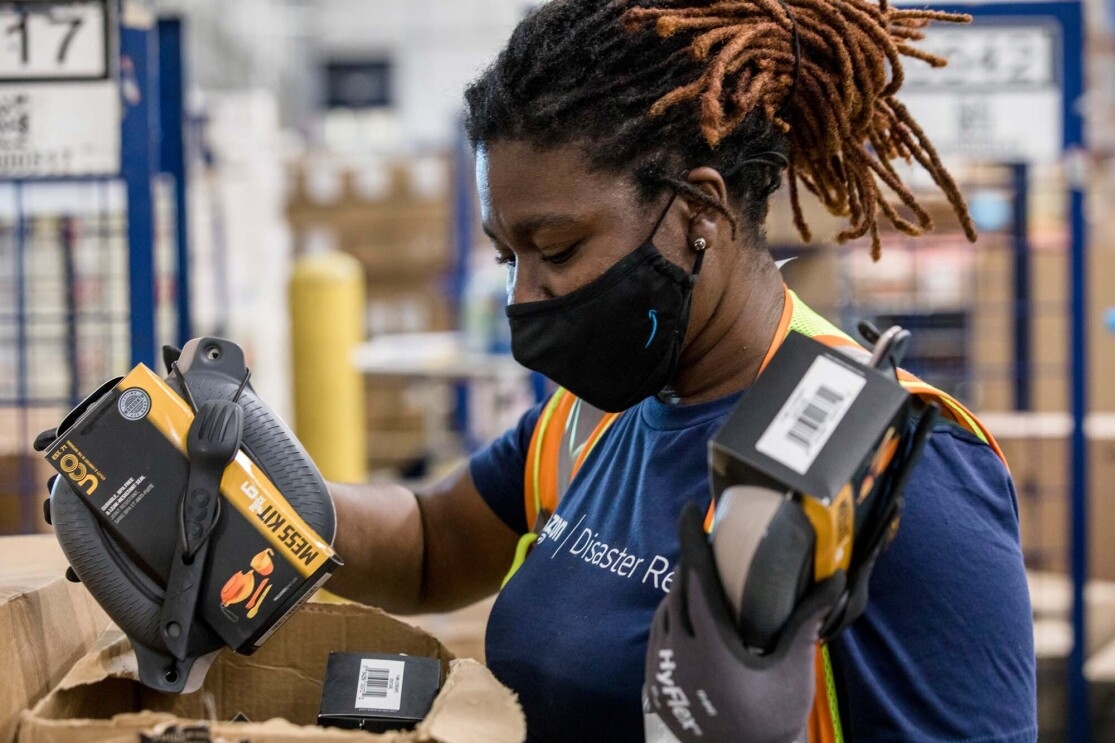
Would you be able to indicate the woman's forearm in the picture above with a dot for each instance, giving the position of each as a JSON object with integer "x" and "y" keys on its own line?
{"x": 379, "y": 536}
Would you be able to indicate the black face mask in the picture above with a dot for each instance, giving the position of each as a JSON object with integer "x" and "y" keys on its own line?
{"x": 617, "y": 340}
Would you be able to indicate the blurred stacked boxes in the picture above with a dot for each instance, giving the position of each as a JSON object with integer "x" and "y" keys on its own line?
{"x": 23, "y": 472}
{"x": 1037, "y": 446}
{"x": 941, "y": 274}
{"x": 394, "y": 216}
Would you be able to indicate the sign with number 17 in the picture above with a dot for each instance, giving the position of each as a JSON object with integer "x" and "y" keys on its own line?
{"x": 59, "y": 90}
{"x": 48, "y": 41}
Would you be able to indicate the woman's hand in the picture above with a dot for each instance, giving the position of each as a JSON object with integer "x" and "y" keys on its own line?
{"x": 703, "y": 682}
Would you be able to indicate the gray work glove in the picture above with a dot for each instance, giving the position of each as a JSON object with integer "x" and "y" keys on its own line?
{"x": 702, "y": 681}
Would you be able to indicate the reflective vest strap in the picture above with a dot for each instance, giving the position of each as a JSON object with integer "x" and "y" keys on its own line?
{"x": 785, "y": 325}
{"x": 522, "y": 549}
{"x": 597, "y": 434}
{"x": 540, "y": 480}
{"x": 824, "y": 720}
{"x": 710, "y": 517}
{"x": 553, "y": 436}
{"x": 956, "y": 412}
{"x": 808, "y": 322}
{"x": 540, "y": 475}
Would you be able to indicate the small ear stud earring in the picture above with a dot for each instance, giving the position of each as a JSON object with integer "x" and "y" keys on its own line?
{"x": 699, "y": 244}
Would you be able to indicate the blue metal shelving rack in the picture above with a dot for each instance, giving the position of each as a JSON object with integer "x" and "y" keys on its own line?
{"x": 148, "y": 59}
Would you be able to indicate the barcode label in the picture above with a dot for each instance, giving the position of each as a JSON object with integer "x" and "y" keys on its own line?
{"x": 815, "y": 408}
{"x": 380, "y": 685}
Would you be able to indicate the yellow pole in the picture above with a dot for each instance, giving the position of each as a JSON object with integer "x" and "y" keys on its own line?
{"x": 327, "y": 323}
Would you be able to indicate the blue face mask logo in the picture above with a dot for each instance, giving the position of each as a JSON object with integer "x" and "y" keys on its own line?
{"x": 653, "y": 315}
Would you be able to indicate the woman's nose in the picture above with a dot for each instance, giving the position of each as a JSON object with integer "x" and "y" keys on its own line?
{"x": 525, "y": 283}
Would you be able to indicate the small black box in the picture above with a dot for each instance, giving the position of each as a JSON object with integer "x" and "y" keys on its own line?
{"x": 377, "y": 692}
{"x": 810, "y": 424}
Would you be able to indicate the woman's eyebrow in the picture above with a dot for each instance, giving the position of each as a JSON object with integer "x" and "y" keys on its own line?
{"x": 524, "y": 229}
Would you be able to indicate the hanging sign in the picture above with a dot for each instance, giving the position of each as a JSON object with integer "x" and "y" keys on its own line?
{"x": 1000, "y": 97}
{"x": 59, "y": 96}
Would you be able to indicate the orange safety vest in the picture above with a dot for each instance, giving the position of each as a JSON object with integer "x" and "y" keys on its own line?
{"x": 568, "y": 429}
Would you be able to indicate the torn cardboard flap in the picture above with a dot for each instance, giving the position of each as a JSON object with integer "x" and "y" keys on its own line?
{"x": 470, "y": 701}
{"x": 279, "y": 686}
{"x": 46, "y": 624}
{"x": 110, "y": 657}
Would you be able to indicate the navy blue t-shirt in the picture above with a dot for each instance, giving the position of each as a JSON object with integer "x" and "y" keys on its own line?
{"x": 944, "y": 650}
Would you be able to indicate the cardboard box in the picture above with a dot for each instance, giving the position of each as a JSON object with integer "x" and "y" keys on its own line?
{"x": 1049, "y": 330}
{"x": 462, "y": 631}
{"x": 321, "y": 183}
{"x": 993, "y": 321}
{"x": 394, "y": 217}
{"x": 19, "y": 426}
{"x": 403, "y": 308}
{"x": 395, "y": 420}
{"x": 278, "y": 689}
{"x": 46, "y": 624}
{"x": 416, "y": 250}
{"x": 1101, "y": 323}
{"x": 992, "y": 331}
{"x": 391, "y": 400}
{"x": 23, "y": 479}
{"x": 394, "y": 448}
{"x": 1040, "y": 468}
{"x": 1101, "y": 516}
{"x": 125, "y": 455}
{"x": 406, "y": 240}
{"x": 1051, "y": 595}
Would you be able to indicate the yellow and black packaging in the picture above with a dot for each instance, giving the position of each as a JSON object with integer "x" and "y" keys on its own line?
{"x": 126, "y": 455}
{"x": 807, "y": 474}
{"x": 821, "y": 426}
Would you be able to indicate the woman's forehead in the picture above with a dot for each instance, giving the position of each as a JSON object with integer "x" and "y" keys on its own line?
{"x": 517, "y": 179}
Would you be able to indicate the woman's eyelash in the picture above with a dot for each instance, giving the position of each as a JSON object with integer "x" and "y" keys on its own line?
{"x": 508, "y": 259}
{"x": 563, "y": 256}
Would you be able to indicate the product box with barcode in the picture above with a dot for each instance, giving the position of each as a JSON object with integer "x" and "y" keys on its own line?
{"x": 126, "y": 455}
{"x": 810, "y": 424}
{"x": 377, "y": 692}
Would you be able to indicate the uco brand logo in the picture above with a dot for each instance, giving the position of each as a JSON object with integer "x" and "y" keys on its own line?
{"x": 79, "y": 473}
{"x": 134, "y": 404}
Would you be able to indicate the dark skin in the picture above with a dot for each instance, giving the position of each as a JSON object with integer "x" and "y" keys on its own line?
{"x": 558, "y": 224}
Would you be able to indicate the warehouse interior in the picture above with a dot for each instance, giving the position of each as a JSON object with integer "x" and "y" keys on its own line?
{"x": 294, "y": 175}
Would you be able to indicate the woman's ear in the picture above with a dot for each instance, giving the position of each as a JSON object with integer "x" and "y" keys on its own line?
{"x": 705, "y": 222}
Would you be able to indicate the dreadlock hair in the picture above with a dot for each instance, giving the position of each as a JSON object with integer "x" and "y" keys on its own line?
{"x": 749, "y": 87}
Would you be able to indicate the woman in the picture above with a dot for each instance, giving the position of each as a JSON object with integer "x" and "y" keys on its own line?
{"x": 626, "y": 152}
